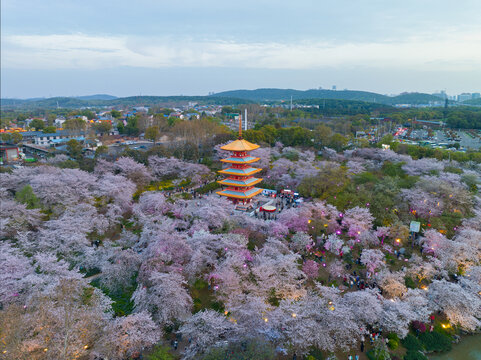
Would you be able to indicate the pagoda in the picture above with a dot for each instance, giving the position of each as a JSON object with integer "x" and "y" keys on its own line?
{"x": 240, "y": 180}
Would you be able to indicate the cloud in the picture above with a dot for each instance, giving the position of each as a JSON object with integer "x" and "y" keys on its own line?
{"x": 454, "y": 51}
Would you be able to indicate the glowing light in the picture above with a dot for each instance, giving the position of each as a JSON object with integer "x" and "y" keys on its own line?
{"x": 45, "y": 350}
{"x": 226, "y": 312}
{"x": 341, "y": 215}
{"x": 332, "y": 308}
{"x": 398, "y": 240}
{"x": 358, "y": 232}
{"x": 425, "y": 288}
{"x": 294, "y": 315}
{"x": 266, "y": 319}
{"x": 309, "y": 221}
{"x": 86, "y": 347}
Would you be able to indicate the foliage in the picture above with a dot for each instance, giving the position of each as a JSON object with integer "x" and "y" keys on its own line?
{"x": 160, "y": 352}
{"x": 435, "y": 341}
{"x": 27, "y": 196}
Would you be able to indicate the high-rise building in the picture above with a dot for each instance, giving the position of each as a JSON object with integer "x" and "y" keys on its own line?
{"x": 464, "y": 97}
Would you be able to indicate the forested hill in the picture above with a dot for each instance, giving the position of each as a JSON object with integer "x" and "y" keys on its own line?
{"x": 285, "y": 95}
{"x": 234, "y": 97}
{"x": 78, "y": 102}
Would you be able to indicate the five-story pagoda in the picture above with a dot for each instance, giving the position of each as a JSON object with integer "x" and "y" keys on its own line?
{"x": 240, "y": 181}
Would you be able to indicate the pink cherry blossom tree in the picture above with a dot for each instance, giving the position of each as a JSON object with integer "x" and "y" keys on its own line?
{"x": 127, "y": 336}
{"x": 373, "y": 259}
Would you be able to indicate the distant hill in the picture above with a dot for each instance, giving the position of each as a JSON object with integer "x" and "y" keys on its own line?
{"x": 414, "y": 98}
{"x": 234, "y": 97}
{"x": 332, "y": 107}
{"x": 285, "y": 95}
{"x": 96, "y": 97}
{"x": 72, "y": 103}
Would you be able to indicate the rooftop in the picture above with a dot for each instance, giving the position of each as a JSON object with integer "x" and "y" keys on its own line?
{"x": 240, "y": 145}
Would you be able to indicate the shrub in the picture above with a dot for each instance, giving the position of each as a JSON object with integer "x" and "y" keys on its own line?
{"x": 411, "y": 343}
{"x": 315, "y": 354}
{"x": 415, "y": 355}
{"x": 409, "y": 282}
{"x": 27, "y": 197}
{"x": 435, "y": 341}
{"x": 419, "y": 326}
{"x": 393, "y": 344}
{"x": 161, "y": 353}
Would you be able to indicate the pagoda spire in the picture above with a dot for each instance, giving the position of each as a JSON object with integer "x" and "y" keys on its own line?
{"x": 240, "y": 126}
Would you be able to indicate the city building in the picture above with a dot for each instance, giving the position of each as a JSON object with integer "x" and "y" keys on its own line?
{"x": 464, "y": 96}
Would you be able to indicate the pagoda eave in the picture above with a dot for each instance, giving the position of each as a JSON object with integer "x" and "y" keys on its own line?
{"x": 233, "y": 160}
{"x": 239, "y": 183}
{"x": 239, "y": 172}
{"x": 239, "y": 194}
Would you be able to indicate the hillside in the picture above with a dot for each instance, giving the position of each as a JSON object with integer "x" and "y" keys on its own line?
{"x": 96, "y": 97}
{"x": 78, "y": 102}
{"x": 285, "y": 95}
{"x": 414, "y": 98}
{"x": 330, "y": 107}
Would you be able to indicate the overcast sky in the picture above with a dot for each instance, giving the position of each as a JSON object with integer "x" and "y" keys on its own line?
{"x": 192, "y": 47}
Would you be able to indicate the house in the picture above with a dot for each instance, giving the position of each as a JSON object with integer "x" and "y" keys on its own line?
{"x": 9, "y": 152}
{"x": 41, "y": 139}
{"x": 59, "y": 121}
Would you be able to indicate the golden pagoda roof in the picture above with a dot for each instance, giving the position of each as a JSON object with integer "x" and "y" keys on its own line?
{"x": 240, "y": 145}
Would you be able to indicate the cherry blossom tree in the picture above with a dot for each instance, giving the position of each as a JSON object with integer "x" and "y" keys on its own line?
{"x": 206, "y": 329}
{"x": 134, "y": 171}
{"x": 392, "y": 284}
{"x": 311, "y": 269}
{"x": 127, "y": 336}
{"x": 422, "y": 166}
{"x": 165, "y": 298}
{"x": 15, "y": 218}
{"x": 168, "y": 168}
{"x": 461, "y": 306}
{"x": 434, "y": 242}
{"x": 357, "y": 220}
{"x": 300, "y": 242}
{"x": 62, "y": 323}
{"x": 373, "y": 259}
{"x": 334, "y": 244}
